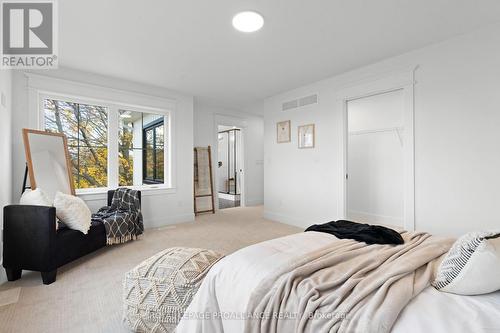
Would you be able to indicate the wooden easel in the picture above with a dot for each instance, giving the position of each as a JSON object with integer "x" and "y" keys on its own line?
{"x": 25, "y": 180}
{"x": 203, "y": 192}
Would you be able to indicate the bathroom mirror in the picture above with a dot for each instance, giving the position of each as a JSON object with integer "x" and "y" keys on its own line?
{"x": 48, "y": 162}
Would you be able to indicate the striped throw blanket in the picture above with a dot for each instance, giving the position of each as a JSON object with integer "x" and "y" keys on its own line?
{"x": 123, "y": 219}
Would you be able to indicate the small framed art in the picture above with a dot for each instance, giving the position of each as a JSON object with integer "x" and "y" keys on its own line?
{"x": 306, "y": 136}
{"x": 283, "y": 132}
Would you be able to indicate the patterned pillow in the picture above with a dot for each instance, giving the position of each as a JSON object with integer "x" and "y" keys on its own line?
{"x": 158, "y": 291}
{"x": 472, "y": 266}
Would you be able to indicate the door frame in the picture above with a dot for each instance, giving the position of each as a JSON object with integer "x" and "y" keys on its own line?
{"x": 404, "y": 81}
{"x": 225, "y": 120}
{"x": 238, "y": 158}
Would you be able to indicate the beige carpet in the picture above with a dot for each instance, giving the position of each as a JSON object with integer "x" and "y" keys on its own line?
{"x": 87, "y": 294}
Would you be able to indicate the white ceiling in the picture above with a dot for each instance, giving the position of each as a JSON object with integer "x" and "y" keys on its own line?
{"x": 190, "y": 45}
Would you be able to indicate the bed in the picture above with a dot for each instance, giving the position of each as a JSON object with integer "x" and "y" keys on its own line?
{"x": 222, "y": 302}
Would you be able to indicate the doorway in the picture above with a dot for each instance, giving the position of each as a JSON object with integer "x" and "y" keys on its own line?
{"x": 229, "y": 166}
{"x": 375, "y": 175}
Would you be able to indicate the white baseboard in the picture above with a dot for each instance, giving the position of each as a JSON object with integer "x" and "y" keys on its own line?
{"x": 168, "y": 220}
{"x": 301, "y": 223}
{"x": 254, "y": 202}
{"x": 370, "y": 218}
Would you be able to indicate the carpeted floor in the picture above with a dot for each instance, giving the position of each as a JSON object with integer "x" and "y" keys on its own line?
{"x": 87, "y": 294}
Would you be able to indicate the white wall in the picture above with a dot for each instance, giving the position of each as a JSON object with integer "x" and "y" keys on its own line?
{"x": 457, "y": 139}
{"x": 206, "y": 118}
{"x": 159, "y": 208}
{"x": 5, "y": 152}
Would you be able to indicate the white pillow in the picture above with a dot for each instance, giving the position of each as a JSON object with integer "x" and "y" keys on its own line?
{"x": 36, "y": 197}
{"x": 73, "y": 212}
{"x": 472, "y": 266}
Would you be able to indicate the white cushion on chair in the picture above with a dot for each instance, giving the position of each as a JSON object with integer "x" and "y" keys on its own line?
{"x": 73, "y": 212}
{"x": 35, "y": 197}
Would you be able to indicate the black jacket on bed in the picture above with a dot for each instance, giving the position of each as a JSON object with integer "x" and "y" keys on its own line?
{"x": 370, "y": 234}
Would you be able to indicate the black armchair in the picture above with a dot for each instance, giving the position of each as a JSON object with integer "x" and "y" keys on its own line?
{"x": 31, "y": 241}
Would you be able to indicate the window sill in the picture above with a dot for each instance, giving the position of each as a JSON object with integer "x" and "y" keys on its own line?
{"x": 101, "y": 193}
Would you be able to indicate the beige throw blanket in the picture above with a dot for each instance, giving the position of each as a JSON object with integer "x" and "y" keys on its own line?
{"x": 347, "y": 286}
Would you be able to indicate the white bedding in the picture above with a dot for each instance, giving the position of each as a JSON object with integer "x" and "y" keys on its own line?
{"x": 226, "y": 290}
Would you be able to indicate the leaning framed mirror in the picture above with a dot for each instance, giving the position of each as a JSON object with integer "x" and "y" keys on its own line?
{"x": 48, "y": 162}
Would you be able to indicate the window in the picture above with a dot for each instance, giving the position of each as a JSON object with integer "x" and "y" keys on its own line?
{"x": 137, "y": 159}
{"x": 153, "y": 153}
{"x": 141, "y": 148}
{"x": 86, "y": 128}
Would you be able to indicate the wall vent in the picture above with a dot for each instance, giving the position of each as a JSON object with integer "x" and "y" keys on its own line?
{"x": 313, "y": 99}
{"x": 293, "y": 104}
{"x": 290, "y": 105}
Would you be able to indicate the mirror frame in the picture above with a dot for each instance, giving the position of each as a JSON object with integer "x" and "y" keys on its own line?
{"x": 29, "y": 162}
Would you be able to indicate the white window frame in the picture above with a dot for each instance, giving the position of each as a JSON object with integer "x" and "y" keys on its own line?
{"x": 64, "y": 90}
{"x": 113, "y": 130}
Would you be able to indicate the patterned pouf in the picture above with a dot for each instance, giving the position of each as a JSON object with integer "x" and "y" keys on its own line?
{"x": 157, "y": 292}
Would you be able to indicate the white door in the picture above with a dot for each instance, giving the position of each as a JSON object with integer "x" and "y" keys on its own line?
{"x": 375, "y": 159}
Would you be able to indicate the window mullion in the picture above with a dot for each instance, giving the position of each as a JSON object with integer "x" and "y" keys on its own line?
{"x": 144, "y": 150}
{"x": 78, "y": 144}
{"x": 155, "y": 165}
{"x": 113, "y": 160}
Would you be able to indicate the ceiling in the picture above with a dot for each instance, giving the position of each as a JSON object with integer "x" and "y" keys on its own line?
{"x": 190, "y": 45}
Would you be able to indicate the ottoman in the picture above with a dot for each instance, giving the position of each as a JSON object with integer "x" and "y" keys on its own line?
{"x": 157, "y": 291}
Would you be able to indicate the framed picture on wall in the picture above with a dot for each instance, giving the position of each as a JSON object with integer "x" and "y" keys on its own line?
{"x": 306, "y": 136}
{"x": 283, "y": 131}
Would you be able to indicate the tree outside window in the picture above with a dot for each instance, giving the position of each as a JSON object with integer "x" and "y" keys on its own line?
{"x": 86, "y": 127}
{"x": 141, "y": 143}
{"x": 141, "y": 148}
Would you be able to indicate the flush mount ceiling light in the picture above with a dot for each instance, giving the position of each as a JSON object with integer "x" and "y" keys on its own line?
{"x": 248, "y": 21}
